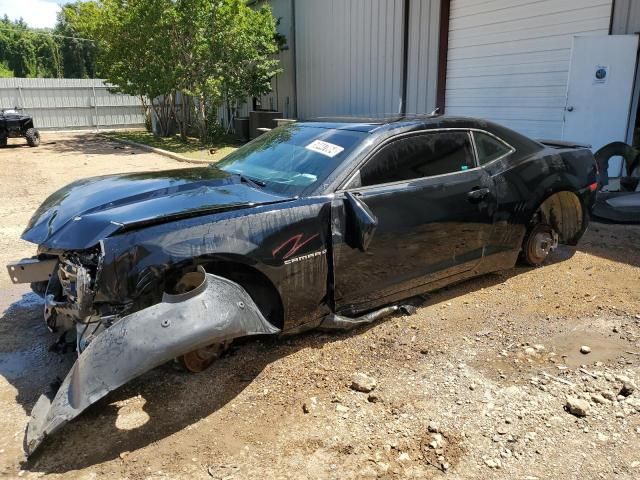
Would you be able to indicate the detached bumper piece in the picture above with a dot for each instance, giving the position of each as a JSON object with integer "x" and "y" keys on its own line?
{"x": 218, "y": 310}
{"x": 31, "y": 270}
{"x": 619, "y": 207}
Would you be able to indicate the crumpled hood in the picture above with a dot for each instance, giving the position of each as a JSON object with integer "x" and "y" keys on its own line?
{"x": 81, "y": 214}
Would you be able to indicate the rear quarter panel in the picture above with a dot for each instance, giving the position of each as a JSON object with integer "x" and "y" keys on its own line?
{"x": 523, "y": 183}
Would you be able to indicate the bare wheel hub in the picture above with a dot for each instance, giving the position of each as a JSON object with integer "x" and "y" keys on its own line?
{"x": 543, "y": 240}
{"x": 542, "y": 244}
{"x": 199, "y": 360}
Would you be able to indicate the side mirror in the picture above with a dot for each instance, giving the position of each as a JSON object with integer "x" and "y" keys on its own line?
{"x": 361, "y": 223}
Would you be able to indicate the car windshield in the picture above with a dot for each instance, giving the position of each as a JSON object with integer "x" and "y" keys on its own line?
{"x": 293, "y": 158}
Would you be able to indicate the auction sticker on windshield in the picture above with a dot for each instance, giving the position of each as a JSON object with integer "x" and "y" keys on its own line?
{"x": 325, "y": 148}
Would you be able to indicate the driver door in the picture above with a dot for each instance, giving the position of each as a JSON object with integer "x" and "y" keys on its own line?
{"x": 434, "y": 209}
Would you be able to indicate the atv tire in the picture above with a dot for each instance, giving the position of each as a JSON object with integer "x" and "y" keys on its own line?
{"x": 33, "y": 137}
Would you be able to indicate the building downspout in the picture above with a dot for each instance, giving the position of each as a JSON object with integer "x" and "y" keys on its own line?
{"x": 405, "y": 58}
{"x": 443, "y": 51}
{"x": 294, "y": 58}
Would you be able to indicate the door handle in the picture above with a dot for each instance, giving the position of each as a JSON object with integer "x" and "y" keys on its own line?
{"x": 569, "y": 108}
{"x": 478, "y": 194}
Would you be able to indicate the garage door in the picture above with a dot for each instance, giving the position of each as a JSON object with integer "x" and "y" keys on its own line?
{"x": 509, "y": 60}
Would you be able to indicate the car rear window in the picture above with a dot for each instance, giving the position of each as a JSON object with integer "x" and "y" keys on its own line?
{"x": 489, "y": 148}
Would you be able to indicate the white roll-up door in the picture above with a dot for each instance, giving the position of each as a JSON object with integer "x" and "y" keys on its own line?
{"x": 508, "y": 60}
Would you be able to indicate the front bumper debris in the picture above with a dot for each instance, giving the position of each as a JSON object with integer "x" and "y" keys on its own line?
{"x": 31, "y": 270}
{"x": 216, "y": 311}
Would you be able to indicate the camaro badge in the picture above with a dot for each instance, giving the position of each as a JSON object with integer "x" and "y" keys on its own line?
{"x": 305, "y": 257}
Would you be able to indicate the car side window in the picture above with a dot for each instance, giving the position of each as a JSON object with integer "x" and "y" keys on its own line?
{"x": 418, "y": 156}
{"x": 489, "y": 148}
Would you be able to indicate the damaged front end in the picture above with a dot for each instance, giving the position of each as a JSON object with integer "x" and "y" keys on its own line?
{"x": 69, "y": 298}
{"x": 113, "y": 349}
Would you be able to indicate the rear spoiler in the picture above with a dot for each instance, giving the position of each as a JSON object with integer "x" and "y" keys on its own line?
{"x": 563, "y": 144}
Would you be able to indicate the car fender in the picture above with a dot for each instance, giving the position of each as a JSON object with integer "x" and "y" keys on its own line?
{"x": 216, "y": 311}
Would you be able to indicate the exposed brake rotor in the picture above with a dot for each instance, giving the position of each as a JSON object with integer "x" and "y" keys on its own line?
{"x": 199, "y": 360}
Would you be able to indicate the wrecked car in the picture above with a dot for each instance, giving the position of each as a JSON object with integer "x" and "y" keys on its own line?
{"x": 312, "y": 225}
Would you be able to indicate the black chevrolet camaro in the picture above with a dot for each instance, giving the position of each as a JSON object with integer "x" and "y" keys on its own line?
{"x": 314, "y": 224}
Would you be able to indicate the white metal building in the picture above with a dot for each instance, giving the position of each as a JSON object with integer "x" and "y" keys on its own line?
{"x": 505, "y": 60}
{"x": 509, "y": 60}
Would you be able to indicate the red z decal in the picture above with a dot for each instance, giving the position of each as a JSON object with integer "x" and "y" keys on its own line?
{"x": 295, "y": 244}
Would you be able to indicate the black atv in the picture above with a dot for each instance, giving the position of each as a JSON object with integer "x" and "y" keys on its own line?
{"x": 14, "y": 125}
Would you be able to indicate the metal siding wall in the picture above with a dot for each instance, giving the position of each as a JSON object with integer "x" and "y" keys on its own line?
{"x": 70, "y": 103}
{"x": 626, "y": 17}
{"x": 626, "y": 21}
{"x": 509, "y": 59}
{"x": 422, "y": 72}
{"x": 349, "y": 57}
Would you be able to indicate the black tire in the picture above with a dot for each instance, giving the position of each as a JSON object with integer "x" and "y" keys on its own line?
{"x": 3, "y": 142}
{"x": 33, "y": 137}
{"x": 616, "y": 149}
{"x": 536, "y": 245}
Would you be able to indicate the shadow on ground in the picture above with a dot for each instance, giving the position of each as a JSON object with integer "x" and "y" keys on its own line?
{"x": 87, "y": 143}
{"x": 615, "y": 242}
{"x": 91, "y": 143}
{"x": 174, "y": 399}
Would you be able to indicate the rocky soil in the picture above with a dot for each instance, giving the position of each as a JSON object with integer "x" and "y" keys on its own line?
{"x": 489, "y": 379}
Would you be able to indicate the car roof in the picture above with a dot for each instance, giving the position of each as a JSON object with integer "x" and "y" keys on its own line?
{"x": 393, "y": 122}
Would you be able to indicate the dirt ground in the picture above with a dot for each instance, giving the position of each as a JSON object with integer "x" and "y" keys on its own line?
{"x": 474, "y": 385}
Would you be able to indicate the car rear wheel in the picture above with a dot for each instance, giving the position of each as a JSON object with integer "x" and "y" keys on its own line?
{"x": 538, "y": 244}
{"x": 33, "y": 137}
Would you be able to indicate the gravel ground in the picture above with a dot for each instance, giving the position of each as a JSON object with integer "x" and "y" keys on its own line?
{"x": 486, "y": 380}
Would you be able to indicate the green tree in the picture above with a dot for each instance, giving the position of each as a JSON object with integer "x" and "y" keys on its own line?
{"x": 135, "y": 52}
{"x": 77, "y": 51}
{"x": 215, "y": 52}
{"x": 26, "y": 52}
{"x": 16, "y": 48}
{"x": 48, "y": 59}
{"x": 247, "y": 40}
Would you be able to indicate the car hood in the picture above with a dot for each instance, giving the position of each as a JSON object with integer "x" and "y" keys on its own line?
{"x": 81, "y": 214}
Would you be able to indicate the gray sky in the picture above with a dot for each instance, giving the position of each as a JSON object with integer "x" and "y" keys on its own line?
{"x": 37, "y": 13}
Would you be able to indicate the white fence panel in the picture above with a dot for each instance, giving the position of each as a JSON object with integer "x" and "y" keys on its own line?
{"x": 66, "y": 103}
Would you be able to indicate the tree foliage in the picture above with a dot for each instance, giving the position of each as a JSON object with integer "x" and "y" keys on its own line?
{"x": 213, "y": 52}
{"x": 28, "y": 52}
{"x": 78, "y": 52}
{"x": 205, "y": 53}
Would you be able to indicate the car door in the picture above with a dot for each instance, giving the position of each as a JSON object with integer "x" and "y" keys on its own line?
{"x": 434, "y": 209}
